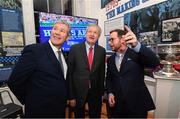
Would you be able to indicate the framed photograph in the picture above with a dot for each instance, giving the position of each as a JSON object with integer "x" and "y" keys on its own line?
{"x": 171, "y": 30}
{"x": 148, "y": 38}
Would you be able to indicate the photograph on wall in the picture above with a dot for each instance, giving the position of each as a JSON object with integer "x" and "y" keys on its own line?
{"x": 148, "y": 38}
{"x": 171, "y": 30}
{"x": 12, "y": 39}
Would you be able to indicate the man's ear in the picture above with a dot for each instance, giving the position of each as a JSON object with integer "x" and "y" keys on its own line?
{"x": 68, "y": 37}
{"x": 123, "y": 42}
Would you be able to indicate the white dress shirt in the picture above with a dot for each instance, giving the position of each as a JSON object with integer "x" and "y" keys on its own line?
{"x": 118, "y": 60}
{"x": 87, "y": 48}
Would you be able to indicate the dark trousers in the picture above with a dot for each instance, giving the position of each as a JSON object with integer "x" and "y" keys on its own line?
{"x": 94, "y": 107}
{"x": 123, "y": 112}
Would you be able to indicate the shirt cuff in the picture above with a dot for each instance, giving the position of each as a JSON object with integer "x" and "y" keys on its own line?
{"x": 137, "y": 48}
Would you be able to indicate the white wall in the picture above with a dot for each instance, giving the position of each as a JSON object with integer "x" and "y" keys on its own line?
{"x": 167, "y": 98}
{"x": 28, "y": 22}
{"x": 92, "y": 9}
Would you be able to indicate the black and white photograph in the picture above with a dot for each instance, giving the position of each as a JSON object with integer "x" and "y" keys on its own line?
{"x": 171, "y": 30}
{"x": 148, "y": 38}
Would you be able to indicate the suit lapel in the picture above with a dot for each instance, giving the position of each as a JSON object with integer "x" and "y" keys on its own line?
{"x": 52, "y": 57}
{"x": 114, "y": 63}
{"x": 84, "y": 54}
{"x": 96, "y": 55}
{"x": 124, "y": 63}
{"x": 65, "y": 56}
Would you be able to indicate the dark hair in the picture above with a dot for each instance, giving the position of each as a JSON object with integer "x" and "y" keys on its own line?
{"x": 119, "y": 32}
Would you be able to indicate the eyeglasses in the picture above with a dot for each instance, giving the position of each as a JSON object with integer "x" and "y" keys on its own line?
{"x": 112, "y": 39}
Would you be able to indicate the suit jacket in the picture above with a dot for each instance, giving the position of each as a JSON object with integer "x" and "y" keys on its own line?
{"x": 79, "y": 74}
{"x": 38, "y": 82}
{"x": 128, "y": 85}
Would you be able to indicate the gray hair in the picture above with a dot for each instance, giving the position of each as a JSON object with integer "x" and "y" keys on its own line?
{"x": 94, "y": 25}
{"x": 65, "y": 23}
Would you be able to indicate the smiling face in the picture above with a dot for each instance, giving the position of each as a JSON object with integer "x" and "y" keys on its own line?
{"x": 59, "y": 34}
{"x": 92, "y": 34}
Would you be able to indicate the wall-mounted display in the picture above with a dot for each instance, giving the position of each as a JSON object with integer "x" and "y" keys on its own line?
{"x": 171, "y": 30}
{"x": 78, "y": 27}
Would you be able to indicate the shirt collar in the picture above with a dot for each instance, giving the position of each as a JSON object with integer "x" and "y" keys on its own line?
{"x": 118, "y": 54}
{"x": 53, "y": 47}
{"x": 88, "y": 46}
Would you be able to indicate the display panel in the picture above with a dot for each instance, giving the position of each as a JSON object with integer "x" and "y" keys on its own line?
{"x": 78, "y": 27}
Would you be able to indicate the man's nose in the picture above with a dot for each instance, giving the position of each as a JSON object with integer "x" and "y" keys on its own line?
{"x": 92, "y": 34}
{"x": 57, "y": 32}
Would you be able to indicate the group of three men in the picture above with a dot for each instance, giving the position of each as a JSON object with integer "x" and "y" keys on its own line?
{"x": 44, "y": 78}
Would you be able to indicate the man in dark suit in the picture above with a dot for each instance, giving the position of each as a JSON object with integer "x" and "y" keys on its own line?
{"x": 128, "y": 94}
{"x": 38, "y": 79}
{"x": 86, "y": 73}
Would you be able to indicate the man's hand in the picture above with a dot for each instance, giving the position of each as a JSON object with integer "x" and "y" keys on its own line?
{"x": 130, "y": 37}
{"x": 111, "y": 100}
{"x": 72, "y": 102}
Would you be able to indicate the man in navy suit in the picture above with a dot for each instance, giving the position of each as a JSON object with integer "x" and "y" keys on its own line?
{"x": 38, "y": 79}
{"x": 128, "y": 95}
{"x": 86, "y": 73}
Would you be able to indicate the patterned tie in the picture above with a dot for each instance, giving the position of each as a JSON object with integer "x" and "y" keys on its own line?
{"x": 90, "y": 57}
{"x": 60, "y": 60}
